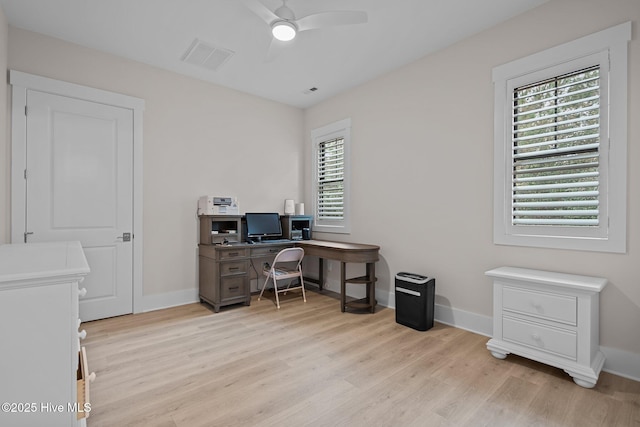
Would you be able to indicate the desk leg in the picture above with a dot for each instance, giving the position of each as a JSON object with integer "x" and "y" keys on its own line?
{"x": 343, "y": 286}
{"x": 371, "y": 286}
{"x": 321, "y": 273}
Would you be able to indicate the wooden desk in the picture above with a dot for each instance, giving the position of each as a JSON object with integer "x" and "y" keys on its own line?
{"x": 346, "y": 252}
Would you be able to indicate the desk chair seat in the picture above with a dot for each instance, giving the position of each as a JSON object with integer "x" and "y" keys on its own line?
{"x": 286, "y": 265}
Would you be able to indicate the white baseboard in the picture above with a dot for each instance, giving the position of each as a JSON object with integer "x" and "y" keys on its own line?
{"x": 622, "y": 363}
{"x": 169, "y": 299}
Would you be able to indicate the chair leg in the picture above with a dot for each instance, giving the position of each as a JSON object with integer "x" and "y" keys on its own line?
{"x": 264, "y": 285}
{"x": 275, "y": 288}
{"x": 304, "y": 296}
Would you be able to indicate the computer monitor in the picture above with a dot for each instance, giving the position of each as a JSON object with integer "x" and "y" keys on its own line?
{"x": 261, "y": 225}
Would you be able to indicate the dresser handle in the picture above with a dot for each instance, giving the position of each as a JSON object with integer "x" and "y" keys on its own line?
{"x": 535, "y": 336}
{"x": 234, "y": 268}
{"x": 82, "y": 334}
{"x": 234, "y": 287}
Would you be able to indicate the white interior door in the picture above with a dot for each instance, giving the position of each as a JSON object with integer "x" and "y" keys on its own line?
{"x": 79, "y": 185}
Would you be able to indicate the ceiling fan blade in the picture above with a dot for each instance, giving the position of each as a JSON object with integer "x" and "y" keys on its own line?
{"x": 330, "y": 19}
{"x": 261, "y": 10}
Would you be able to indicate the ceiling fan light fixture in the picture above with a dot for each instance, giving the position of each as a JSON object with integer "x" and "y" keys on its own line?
{"x": 283, "y": 30}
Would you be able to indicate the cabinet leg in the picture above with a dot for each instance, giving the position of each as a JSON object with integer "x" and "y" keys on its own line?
{"x": 498, "y": 355}
{"x": 584, "y": 383}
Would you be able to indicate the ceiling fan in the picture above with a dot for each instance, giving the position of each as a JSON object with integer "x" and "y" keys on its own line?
{"x": 285, "y": 26}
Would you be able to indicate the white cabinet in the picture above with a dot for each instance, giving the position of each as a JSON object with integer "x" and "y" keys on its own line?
{"x": 549, "y": 317}
{"x": 39, "y": 333}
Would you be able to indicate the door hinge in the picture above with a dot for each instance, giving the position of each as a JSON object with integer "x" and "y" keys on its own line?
{"x": 26, "y": 233}
{"x": 26, "y": 109}
{"x": 25, "y": 174}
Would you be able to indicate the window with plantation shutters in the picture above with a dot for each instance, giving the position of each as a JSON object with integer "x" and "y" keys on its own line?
{"x": 556, "y": 151}
{"x": 331, "y": 177}
{"x": 330, "y": 195}
{"x": 560, "y": 145}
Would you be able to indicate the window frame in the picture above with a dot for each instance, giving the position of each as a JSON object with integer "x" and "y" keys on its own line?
{"x": 609, "y": 49}
{"x": 336, "y": 130}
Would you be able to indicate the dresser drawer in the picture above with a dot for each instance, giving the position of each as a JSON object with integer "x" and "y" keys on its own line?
{"x": 233, "y": 267}
{"x": 233, "y": 287}
{"x": 544, "y": 305}
{"x": 550, "y": 340}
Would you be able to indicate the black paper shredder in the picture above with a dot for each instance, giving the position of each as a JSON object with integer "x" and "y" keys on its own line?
{"x": 415, "y": 303}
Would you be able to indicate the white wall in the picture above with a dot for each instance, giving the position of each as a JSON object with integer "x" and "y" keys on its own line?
{"x": 422, "y": 159}
{"x": 5, "y": 146}
{"x": 199, "y": 139}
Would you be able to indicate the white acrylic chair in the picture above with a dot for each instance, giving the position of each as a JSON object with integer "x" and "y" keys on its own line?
{"x": 286, "y": 265}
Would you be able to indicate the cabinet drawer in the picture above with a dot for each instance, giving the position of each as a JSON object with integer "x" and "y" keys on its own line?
{"x": 544, "y": 305}
{"x": 551, "y": 340}
{"x": 236, "y": 267}
{"x": 232, "y": 253}
{"x": 233, "y": 287}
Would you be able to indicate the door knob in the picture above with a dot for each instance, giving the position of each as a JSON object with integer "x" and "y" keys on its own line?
{"x": 126, "y": 237}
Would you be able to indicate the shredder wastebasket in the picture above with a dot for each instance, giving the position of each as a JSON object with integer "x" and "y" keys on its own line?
{"x": 415, "y": 303}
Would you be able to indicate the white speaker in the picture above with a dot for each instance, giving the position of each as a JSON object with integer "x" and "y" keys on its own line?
{"x": 289, "y": 207}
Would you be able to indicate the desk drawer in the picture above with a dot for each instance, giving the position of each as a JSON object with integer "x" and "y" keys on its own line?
{"x": 551, "y": 340}
{"x": 232, "y": 287}
{"x": 544, "y": 305}
{"x": 233, "y": 267}
{"x": 231, "y": 253}
{"x": 267, "y": 250}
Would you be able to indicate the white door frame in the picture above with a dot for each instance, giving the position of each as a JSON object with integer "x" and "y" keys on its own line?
{"x": 21, "y": 82}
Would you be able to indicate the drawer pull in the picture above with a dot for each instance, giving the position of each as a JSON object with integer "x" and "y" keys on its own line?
{"x": 234, "y": 268}
{"x": 82, "y": 292}
{"x": 233, "y": 254}
{"x": 82, "y": 334}
{"x": 233, "y": 288}
{"x": 535, "y": 336}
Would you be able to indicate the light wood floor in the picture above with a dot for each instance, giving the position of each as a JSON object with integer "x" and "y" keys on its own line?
{"x": 311, "y": 365}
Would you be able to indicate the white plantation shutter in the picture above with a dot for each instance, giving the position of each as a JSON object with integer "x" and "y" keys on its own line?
{"x": 330, "y": 194}
{"x": 330, "y": 182}
{"x": 560, "y": 145}
{"x": 556, "y": 151}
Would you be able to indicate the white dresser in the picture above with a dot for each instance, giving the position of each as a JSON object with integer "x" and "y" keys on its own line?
{"x": 39, "y": 360}
{"x": 549, "y": 317}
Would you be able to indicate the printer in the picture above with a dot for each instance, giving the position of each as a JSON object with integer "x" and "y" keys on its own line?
{"x": 210, "y": 205}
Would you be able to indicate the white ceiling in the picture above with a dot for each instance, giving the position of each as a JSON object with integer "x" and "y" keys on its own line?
{"x": 159, "y": 32}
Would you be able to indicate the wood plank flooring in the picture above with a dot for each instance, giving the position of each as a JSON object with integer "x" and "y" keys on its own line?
{"x": 311, "y": 365}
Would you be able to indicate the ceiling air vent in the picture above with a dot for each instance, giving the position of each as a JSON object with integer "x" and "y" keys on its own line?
{"x": 206, "y": 55}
